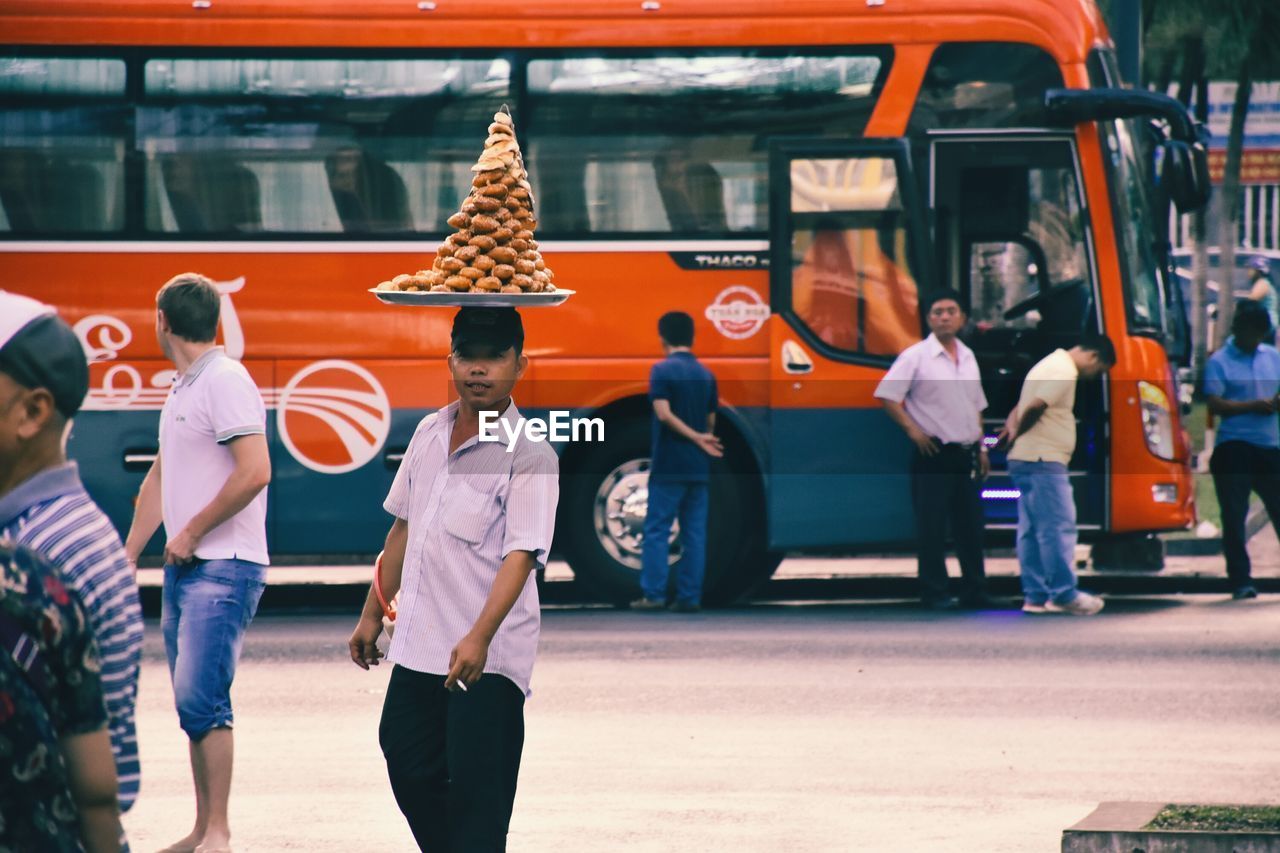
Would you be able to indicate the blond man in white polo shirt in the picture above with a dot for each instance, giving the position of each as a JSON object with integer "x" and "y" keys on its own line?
{"x": 934, "y": 392}
{"x": 208, "y": 486}
{"x": 474, "y": 517}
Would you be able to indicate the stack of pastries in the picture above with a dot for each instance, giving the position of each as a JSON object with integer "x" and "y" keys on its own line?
{"x": 493, "y": 249}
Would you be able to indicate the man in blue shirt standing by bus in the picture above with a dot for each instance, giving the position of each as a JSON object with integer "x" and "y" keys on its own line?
{"x": 1241, "y": 383}
{"x": 684, "y": 398}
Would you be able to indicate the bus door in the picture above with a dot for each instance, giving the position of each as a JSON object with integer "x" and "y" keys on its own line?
{"x": 1011, "y": 235}
{"x": 846, "y": 273}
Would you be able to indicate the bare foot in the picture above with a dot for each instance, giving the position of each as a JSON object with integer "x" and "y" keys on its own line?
{"x": 215, "y": 841}
{"x": 186, "y": 845}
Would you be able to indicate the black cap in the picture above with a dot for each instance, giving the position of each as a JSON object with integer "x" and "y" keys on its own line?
{"x": 45, "y": 353}
{"x": 499, "y": 328}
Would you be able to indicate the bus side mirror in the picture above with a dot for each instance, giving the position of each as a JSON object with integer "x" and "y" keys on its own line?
{"x": 1184, "y": 174}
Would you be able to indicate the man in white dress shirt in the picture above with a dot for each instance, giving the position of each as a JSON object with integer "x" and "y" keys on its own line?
{"x": 473, "y": 521}
{"x": 934, "y": 392}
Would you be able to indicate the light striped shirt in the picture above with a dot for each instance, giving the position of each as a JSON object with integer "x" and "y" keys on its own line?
{"x": 466, "y": 512}
{"x": 52, "y": 514}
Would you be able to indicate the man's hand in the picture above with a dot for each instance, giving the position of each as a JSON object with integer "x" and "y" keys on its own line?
{"x": 924, "y": 442}
{"x": 364, "y": 642}
{"x": 181, "y": 548}
{"x": 466, "y": 663}
{"x": 1009, "y": 433}
{"x": 710, "y": 445}
{"x": 984, "y": 463}
{"x": 1264, "y": 407}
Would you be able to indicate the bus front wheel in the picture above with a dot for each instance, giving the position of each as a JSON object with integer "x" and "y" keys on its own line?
{"x": 603, "y": 506}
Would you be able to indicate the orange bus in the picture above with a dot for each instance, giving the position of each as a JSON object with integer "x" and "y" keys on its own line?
{"x": 793, "y": 175}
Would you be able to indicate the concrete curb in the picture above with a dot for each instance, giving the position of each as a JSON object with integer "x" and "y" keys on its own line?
{"x": 349, "y": 598}
{"x": 1118, "y": 828}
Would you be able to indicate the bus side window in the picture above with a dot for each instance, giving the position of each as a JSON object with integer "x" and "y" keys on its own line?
{"x": 692, "y": 192}
{"x": 678, "y": 143}
{"x": 211, "y": 193}
{"x": 48, "y": 193}
{"x": 20, "y": 192}
{"x": 269, "y": 144}
{"x": 369, "y": 194}
{"x": 64, "y": 121}
{"x": 851, "y": 278}
{"x": 77, "y": 196}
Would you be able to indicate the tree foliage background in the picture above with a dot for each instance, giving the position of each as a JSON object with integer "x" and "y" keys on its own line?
{"x": 1187, "y": 43}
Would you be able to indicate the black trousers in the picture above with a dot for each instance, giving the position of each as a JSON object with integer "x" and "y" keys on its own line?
{"x": 453, "y": 758}
{"x": 943, "y": 489}
{"x": 1239, "y": 468}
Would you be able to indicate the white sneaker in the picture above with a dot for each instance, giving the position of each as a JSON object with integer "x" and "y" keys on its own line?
{"x": 1032, "y": 607}
{"x": 1083, "y": 604}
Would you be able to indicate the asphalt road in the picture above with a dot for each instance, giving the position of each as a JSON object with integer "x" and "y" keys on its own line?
{"x": 822, "y": 727}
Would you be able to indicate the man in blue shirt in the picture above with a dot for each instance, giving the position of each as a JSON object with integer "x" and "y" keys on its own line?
{"x": 684, "y": 398}
{"x": 1242, "y": 384}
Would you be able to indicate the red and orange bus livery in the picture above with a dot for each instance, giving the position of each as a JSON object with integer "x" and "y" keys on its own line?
{"x": 794, "y": 176}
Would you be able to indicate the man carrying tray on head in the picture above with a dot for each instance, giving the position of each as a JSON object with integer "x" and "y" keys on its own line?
{"x": 472, "y": 523}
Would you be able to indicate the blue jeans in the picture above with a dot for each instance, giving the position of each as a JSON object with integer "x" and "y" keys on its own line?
{"x": 1046, "y": 531}
{"x": 205, "y": 609}
{"x": 667, "y": 500}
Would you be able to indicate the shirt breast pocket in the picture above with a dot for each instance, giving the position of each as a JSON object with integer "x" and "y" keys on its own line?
{"x": 469, "y": 514}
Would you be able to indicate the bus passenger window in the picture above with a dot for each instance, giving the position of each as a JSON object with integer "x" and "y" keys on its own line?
{"x": 692, "y": 192}
{"x": 369, "y": 194}
{"x": 678, "y": 143}
{"x": 312, "y": 146}
{"x": 63, "y": 125}
{"x": 211, "y": 194}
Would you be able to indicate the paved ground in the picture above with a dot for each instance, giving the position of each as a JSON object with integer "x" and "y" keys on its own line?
{"x": 800, "y": 728}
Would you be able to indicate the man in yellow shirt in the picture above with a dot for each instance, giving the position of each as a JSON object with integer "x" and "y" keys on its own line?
{"x": 1042, "y": 431}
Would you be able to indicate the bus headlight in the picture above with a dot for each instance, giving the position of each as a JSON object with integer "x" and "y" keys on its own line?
{"x": 1157, "y": 420}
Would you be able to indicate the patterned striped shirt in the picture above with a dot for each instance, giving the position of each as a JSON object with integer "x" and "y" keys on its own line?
{"x": 52, "y": 514}
{"x": 466, "y": 512}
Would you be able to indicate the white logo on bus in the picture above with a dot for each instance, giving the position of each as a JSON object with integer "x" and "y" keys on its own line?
{"x": 360, "y": 419}
{"x": 738, "y": 312}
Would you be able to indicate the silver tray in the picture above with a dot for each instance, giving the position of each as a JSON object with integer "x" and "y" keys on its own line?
{"x": 464, "y": 299}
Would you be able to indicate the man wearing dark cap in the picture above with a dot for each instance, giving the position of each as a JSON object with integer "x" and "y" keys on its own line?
{"x": 472, "y": 524}
{"x": 43, "y": 505}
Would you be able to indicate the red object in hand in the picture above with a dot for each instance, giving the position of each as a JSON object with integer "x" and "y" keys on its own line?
{"x": 387, "y": 607}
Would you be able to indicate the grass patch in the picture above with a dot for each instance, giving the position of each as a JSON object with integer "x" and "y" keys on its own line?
{"x": 1218, "y": 818}
{"x": 1206, "y": 498}
{"x": 1194, "y": 424}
